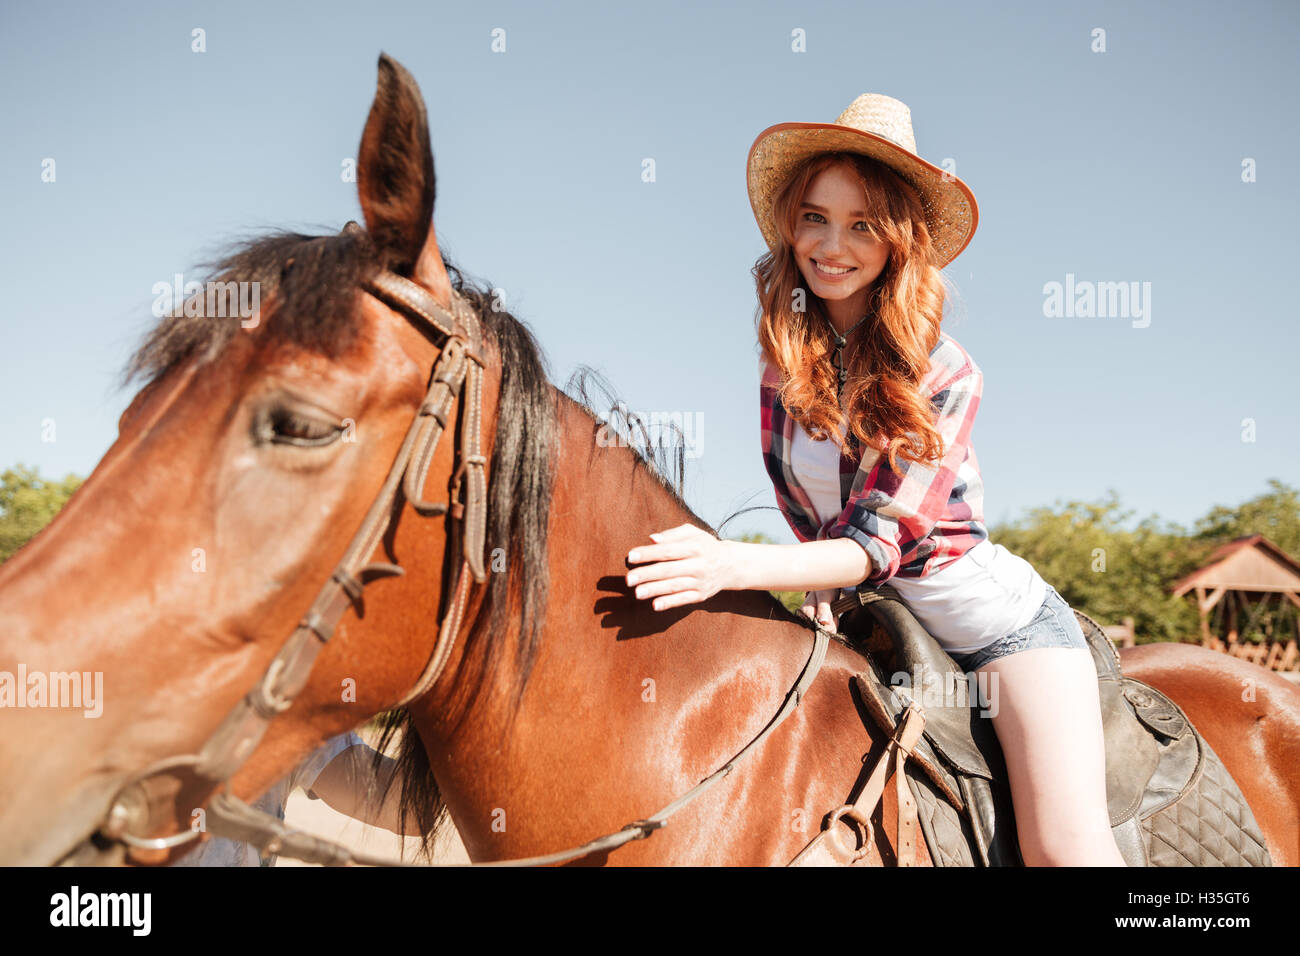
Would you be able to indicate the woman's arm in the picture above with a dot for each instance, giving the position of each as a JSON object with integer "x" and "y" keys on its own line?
{"x": 809, "y": 566}
{"x": 686, "y": 565}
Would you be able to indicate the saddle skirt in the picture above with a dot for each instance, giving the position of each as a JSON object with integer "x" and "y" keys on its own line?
{"x": 1171, "y": 800}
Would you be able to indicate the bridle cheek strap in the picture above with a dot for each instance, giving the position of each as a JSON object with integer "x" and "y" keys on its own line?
{"x": 239, "y": 734}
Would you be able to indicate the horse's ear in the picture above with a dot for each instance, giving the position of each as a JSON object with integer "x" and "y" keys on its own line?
{"x": 395, "y": 179}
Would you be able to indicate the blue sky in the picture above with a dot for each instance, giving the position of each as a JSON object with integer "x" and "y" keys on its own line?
{"x": 1115, "y": 166}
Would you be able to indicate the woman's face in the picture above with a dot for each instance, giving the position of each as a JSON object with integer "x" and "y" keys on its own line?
{"x": 836, "y": 253}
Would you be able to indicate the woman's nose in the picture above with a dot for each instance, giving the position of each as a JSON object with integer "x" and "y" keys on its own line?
{"x": 833, "y": 243}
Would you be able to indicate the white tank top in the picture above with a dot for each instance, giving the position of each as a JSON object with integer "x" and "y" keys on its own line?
{"x": 968, "y": 604}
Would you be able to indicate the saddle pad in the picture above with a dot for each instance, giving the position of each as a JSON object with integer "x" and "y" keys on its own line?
{"x": 1210, "y": 824}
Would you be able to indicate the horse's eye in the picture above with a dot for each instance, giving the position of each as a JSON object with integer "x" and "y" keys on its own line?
{"x": 291, "y": 428}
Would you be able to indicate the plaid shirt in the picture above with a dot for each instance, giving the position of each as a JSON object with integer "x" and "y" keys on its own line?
{"x": 911, "y": 523}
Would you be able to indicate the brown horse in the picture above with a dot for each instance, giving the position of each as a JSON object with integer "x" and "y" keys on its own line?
{"x": 567, "y": 708}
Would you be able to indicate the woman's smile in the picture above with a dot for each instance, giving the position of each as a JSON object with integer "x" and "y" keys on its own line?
{"x": 830, "y": 271}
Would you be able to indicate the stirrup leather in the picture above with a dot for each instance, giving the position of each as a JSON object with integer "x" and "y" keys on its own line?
{"x": 829, "y": 848}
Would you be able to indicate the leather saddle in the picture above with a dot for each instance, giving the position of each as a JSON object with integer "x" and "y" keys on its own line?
{"x": 1170, "y": 799}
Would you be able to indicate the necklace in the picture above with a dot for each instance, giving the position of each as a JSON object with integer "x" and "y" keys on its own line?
{"x": 840, "y": 341}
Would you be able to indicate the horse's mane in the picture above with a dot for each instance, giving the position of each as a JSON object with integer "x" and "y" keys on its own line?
{"x": 315, "y": 281}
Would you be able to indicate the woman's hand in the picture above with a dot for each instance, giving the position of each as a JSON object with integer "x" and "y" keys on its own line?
{"x": 689, "y": 565}
{"x": 817, "y": 605}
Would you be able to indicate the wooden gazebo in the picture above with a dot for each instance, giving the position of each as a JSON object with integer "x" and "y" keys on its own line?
{"x": 1243, "y": 577}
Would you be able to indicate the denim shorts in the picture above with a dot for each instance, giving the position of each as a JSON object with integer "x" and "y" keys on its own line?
{"x": 1053, "y": 626}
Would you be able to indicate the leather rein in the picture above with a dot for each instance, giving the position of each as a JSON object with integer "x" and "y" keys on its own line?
{"x": 457, "y": 373}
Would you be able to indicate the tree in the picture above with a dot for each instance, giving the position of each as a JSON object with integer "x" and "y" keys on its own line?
{"x": 1275, "y": 514}
{"x": 28, "y": 503}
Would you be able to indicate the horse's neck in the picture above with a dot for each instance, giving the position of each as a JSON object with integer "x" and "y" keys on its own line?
{"x": 604, "y": 506}
{"x": 625, "y": 706}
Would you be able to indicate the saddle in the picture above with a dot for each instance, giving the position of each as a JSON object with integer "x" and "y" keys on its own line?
{"x": 1171, "y": 800}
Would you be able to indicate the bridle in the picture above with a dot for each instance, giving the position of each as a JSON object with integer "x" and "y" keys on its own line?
{"x": 457, "y": 374}
{"x": 458, "y": 369}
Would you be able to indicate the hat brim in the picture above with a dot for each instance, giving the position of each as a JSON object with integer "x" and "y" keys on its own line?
{"x": 951, "y": 212}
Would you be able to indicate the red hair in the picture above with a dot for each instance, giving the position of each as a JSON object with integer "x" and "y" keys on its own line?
{"x": 887, "y": 355}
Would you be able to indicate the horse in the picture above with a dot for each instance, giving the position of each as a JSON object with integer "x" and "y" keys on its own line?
{"x": 564, "y": 708}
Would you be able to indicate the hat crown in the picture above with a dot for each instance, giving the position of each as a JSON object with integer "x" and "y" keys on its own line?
{"x": 881, "y": 115}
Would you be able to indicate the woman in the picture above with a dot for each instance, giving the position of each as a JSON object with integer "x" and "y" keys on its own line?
{"x": 850, "y": 303}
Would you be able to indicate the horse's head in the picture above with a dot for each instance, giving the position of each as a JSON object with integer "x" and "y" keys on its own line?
{"x": 241, "y": 473}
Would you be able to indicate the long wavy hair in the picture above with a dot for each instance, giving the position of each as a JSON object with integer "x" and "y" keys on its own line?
{"x": 887, "y": 355}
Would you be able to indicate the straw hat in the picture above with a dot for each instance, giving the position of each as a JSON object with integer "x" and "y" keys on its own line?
{"x": 877, "y": 126}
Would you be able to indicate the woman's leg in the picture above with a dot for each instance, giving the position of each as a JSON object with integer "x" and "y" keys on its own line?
{"x": 1047, "y": 718}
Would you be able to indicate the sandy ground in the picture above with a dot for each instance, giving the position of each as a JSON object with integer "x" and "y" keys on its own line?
{"x": 315, "y": 817}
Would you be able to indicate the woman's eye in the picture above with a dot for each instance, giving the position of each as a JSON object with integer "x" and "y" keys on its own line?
{"x": 293, "y": 429}
{"x": 813, "y": 217}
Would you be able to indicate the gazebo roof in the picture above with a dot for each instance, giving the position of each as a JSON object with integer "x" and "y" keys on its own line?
{"x": 1248, "y": 563}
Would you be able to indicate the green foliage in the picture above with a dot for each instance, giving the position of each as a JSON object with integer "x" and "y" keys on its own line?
{"x": 27, "y": 504}
{"x": 1274, "y": 514}
{"x": 1110, "y": 572}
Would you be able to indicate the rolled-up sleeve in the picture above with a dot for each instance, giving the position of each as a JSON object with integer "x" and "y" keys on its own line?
{"x": 891, "y": 512}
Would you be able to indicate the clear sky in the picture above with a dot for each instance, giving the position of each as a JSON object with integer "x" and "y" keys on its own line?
{"x": 1117, "y": 166}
